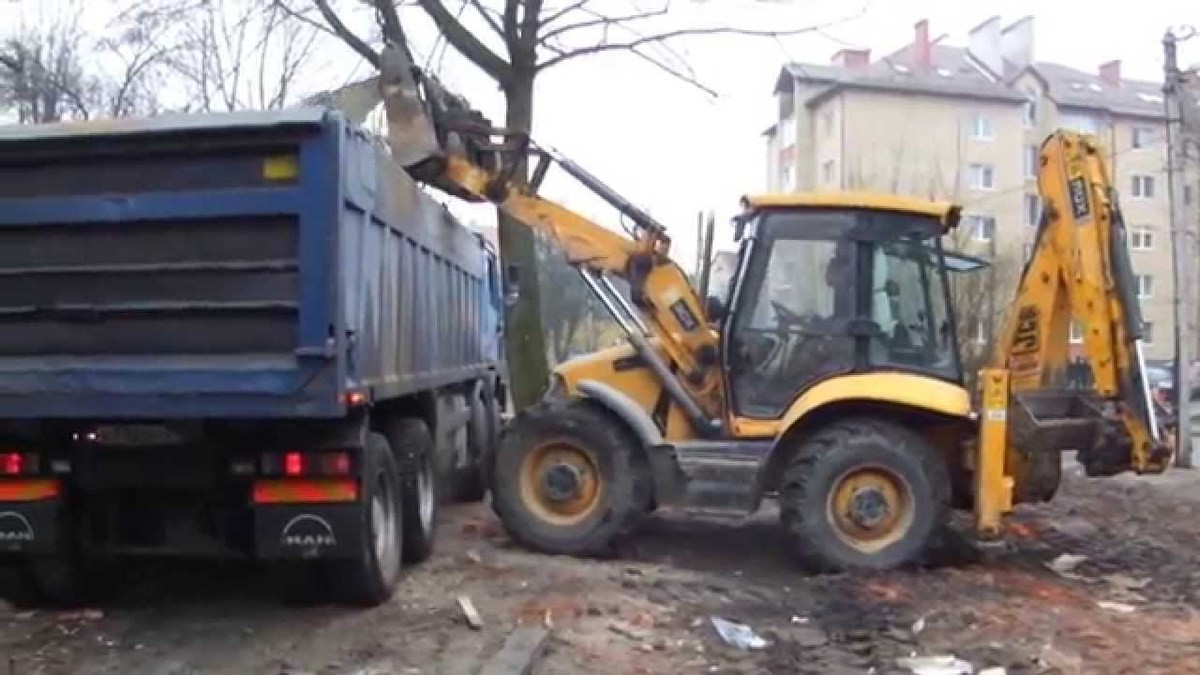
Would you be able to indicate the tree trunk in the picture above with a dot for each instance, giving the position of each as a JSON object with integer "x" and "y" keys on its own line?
{"x": 526, "y": 350}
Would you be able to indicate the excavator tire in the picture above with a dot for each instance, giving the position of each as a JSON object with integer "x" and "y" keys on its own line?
{"x": 863, "y": 494}
{"x": 566, "y": 481}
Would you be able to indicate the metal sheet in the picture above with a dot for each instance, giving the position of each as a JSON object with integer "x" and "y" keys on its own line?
{"x": 193, "y": 297}
{"x": 169, "y": 123}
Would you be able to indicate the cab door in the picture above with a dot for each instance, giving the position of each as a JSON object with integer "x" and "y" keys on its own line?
{"x": 793, "y": 312}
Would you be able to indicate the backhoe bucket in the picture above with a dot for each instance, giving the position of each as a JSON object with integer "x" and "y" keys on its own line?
{"x": 411, "y": 132}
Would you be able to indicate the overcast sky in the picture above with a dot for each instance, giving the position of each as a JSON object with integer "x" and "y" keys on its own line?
{"x": 677, "y": 151}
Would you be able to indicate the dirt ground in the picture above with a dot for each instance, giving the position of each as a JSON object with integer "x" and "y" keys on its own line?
{"x": 650, "y": 611}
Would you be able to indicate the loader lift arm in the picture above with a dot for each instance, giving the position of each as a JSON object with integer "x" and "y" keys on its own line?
{"x": 1079, "y": 270}
{"x": 440, "y": 140}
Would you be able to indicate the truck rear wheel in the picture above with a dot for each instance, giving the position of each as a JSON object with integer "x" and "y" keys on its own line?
{"x": 413, "y": 443}
{"x": 470, "y": 482}
{"x": 371, "y": 577}
{"x": 863, "y": 494}
{"x": 564, "y": 480}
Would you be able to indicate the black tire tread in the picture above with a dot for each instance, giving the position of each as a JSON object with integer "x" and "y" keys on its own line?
{"x": 410, "y": 437}
{"x": 609, "y": 437}
{"x": 358, "y": 582}
{"x": 849, "y": 436}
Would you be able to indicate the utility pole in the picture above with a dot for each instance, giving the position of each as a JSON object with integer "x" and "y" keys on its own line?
{"x": 1183, "y": 251}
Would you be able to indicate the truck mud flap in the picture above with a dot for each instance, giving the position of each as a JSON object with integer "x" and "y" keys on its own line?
{"x": 30, "y": 527}
{"x": 308, "y": 531}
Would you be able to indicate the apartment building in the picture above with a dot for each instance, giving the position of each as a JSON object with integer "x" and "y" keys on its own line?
{"x": 937, "y": 120}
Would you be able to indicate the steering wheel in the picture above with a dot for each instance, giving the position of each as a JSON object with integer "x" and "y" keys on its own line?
{"x": 786, "y": 315}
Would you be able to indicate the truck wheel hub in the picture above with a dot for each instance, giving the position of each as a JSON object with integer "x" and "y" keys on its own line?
{"x": 562, "y": 482}
{"x": 868, "y": 507}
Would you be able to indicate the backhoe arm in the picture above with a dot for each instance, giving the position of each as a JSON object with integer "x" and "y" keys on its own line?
{"x": 448, "y": 145}
{"x": 1079, "y": 270}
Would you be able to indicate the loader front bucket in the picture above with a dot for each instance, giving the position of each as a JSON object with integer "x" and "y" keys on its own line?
{"x": 412, "y": 135}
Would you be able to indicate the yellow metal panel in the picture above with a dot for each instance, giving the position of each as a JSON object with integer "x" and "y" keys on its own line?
{"x": 943, "y": 211}
{"x": 993, "y": 488}
{"x": 899, "y": 389}
{"x": 281, "y": 167}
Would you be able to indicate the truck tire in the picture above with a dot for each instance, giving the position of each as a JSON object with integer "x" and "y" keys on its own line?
{"x": 470, "y": 482}
{"x": 865, "y": 494}
{"x": 414, "y": 446}
{"x": 371, "y": 577}
{"x": 565, "y": 480}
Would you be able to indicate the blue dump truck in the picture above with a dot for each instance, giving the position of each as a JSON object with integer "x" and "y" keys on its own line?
{"x": 246, "y": 334}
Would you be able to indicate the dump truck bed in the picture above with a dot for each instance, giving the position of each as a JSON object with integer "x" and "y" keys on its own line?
{"x": 249, "y": 265}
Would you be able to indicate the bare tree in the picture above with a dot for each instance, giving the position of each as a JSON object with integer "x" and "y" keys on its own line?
{"x": 513, "y": 42}
{"x": 52, "y": 70}
{"x": 228, "y": 54}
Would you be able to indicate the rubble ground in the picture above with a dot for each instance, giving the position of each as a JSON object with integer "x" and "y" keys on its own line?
{"x": 1125, "y": 599}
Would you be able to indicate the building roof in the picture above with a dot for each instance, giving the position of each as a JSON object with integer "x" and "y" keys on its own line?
{"x": 951, "y": 73}
{"x": 1071, "y": 88}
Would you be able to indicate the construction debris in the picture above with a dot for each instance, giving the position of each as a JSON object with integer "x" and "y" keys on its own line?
{"x": 942, "y": 664}
{"x": 737, "y": 635}
{"x": 1065, "y": 564}
{"x": 470, "y": 613}
{"x": 522, "y": 648}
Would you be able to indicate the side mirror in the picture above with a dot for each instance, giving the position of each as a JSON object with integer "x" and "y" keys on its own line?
{"x": 714, "y": 309}
{"x": 512, "y": 285}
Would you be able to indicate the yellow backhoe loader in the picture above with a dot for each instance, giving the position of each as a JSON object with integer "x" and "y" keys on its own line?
{"x": 826, "y": 374}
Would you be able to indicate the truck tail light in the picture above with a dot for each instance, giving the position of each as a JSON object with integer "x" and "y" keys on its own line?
{"x": 306, "y": 464}
{"x": 293, "y": 464}
{"x": 18, "y": 463}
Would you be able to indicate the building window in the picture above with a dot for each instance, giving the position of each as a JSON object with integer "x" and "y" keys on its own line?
{"x": 1080, "y": 123}
{"x": 1143, "y": 187}
{"x": 787, "y": 132}
{"x": 1029, "y": 114}
{"x": 1033, "y": 210}
{"x": 1141, "y": 239}
{"x": 1144, "y": 284}
{"x": 1143, "y": 137}
{"x": 981, "y": 128}
{"x": 827, "y": 172}
{"x": 1187, "y": 194}
{"x": 827, "y": 123}
{"x": 787, "y": 178}
{"x": 1148, "y": 332}
{"x": 1031, "y": 161}
{"x": 983, "y": 228}
{"x": 983, "y": 177}
{"x": 1076, "y": 333}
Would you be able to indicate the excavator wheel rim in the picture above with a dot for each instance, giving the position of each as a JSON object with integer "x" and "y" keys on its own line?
{"x": 897, "y": 495}
{"x": 536, "y": 496}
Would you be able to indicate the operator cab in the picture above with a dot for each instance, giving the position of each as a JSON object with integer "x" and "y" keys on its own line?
{"x": 834, "y": 284}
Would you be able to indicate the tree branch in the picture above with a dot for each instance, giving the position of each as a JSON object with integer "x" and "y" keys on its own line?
{"x": 600, "y": 20}
{"x": 686, "y": 78}
{"x": 345, "y": 34}
{"x": 563, "y": 12}
{"x": 298, "y": 16}
{"x": 511, "y": 30}
{"x": 605, "y": 46}
{"x": 487, "y": 16}
{"x": 529, "y": 28}
{"x": 389, "y": 21}
{"x": 467, "y": 44}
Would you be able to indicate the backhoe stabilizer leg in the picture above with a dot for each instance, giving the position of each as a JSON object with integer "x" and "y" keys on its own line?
{"x": 993, "y": 487}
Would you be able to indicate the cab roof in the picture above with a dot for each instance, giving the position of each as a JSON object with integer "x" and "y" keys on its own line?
{"x": 946, "y": 212}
